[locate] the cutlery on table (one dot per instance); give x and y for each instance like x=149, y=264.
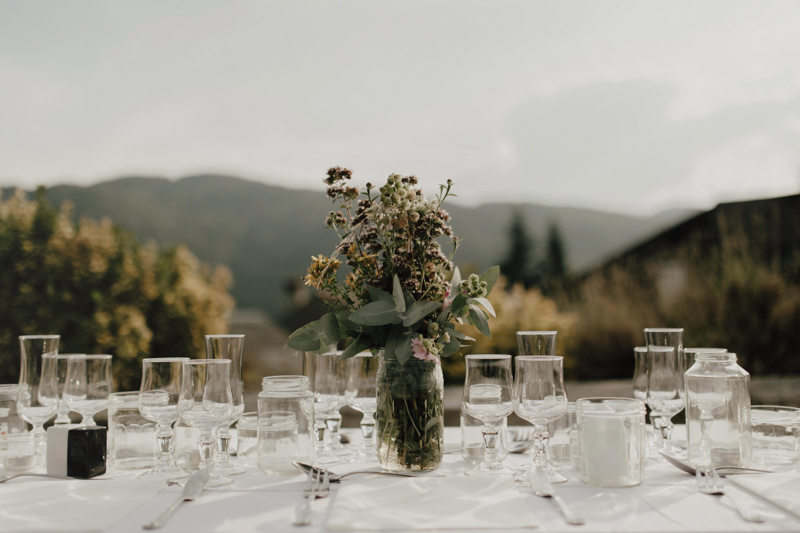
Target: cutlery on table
x=3, y=479
x=191, y=491
x=316, y=487
x=335, y=478
x=708, y=482
x=722, y=471
x=541, y=487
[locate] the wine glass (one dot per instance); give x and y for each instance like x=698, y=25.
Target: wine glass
x=322, y=377
x=88, y=385
x=488, y=397
x=158, y=401
x=362, y=395
x=537, y=342
x=640, y=393
x=205, y=402
x=228, y=347
x=665, y=388
x=61, y=371
x=539, y=398
x=37, y=397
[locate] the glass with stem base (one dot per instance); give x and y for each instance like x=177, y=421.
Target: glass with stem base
x=205, y=402
x=321, y=371
x=640, y=393
x=334, y=422
x=62, y=415
x=88, y=385
x=37, y=396
x=488, y=397
x=361, y=393
x=665, y=388
x=540, y=397
x=158, y=402
x=228, y=347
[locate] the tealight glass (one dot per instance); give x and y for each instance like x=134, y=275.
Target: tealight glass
x=775, y=434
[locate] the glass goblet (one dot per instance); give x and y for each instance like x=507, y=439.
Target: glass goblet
x=326, y=400
x=37, y=396
x=539, y=398
x=205, y=402
x=488, y=397
x=362, y=395
x=228, y=347
x=158, y=401
x=63, y=409
x=88, y=385
x=665, y=388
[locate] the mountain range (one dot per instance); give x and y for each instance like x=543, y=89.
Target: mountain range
x=267, y=234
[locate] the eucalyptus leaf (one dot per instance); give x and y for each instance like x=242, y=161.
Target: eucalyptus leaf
x=389, y=348
x=409, y=299
x=432, y=422
x=307, y=338
x=442, y=319
x=450, y=348
x=485, y=303
x=344, y=319
x=455, y=281
x=378, y=295
x=397, y=294
x=458, y=303
x=403, y=387
x=330, y=327
x=375, y=314
x=418, y=311
x=479, y=319
x=404, y=350
x=457, y=334
x=490, y=277
x=357, y=346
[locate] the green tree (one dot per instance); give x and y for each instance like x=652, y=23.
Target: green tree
x=103, y=292
x=554, y=269
x=517, y=266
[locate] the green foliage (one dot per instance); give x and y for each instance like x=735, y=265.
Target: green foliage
x=518, y=265
x=94, y=285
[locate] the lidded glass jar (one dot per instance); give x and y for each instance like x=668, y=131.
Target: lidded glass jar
x=718, y=411
x=290, y=394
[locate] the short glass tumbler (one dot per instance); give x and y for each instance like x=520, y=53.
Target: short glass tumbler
x=611, y=433
x=277, y=443
x=775, y=434
x=131, y=437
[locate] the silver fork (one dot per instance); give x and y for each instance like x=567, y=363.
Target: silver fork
x=315, y=487
x=709, y=482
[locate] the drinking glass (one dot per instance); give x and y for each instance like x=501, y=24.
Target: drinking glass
x=539, y=398
x=158, y=401
x=665, y=388
x=205, y=402
x=88, y=385
x=247, y=438
x=228, y=347
x=361, y=393
x=37, y=397
x=334, y=422
x=488, y=397
x=326, y=399
x=537, y=342
x=640, y=393
x=61, y=371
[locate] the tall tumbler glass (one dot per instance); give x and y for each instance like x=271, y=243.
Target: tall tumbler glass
x=37, y=397
x=324, y=385
x=158, y=401
x=205, y=402
x=488, y=397
x=361, y=391
x=63, y=408
x=88, y=385
x=228, y=347
x=540, y=397
x=640, y=393
x=537, y=342
x=334, y=422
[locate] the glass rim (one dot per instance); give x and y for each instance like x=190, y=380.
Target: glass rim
x=488, y=356
x=715, y=356
x=285, y=377
x=787, y=408
x=581, y=403
x=38, y=337
x=661, y=349
x=199, y=362
x=89, y=356
x=336, y=352
x=780, y=414
x=706, y=350
x=537, y=332
x=640, y=349
x=552, y=358
x=165, y=359
x=67, y=355
x=123, y=394
x=663, y=330
x=229, y=336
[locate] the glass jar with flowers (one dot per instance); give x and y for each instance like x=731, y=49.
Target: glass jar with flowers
x=396, y=300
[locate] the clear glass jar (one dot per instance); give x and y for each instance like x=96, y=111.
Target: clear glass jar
x=247, y=439
x=131, y=437
x=472, y=444
x=611, y=436
x=718, y=411
x=290, y=394
x=277, y=443
x=10, y=421
x=776, y=434
x=559, y=430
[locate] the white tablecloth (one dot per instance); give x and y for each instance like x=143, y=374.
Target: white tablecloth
x=668, y=501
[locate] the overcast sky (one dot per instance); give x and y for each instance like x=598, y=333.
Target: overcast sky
x=623, y=106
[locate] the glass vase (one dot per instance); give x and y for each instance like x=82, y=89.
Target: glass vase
x=410, y=415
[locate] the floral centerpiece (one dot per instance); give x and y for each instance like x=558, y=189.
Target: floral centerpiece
x=396, y=301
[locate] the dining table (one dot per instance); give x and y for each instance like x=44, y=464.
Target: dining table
x=446, y=499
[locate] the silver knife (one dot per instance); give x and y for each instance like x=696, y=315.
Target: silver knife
x=541, y=487
x=191, y=491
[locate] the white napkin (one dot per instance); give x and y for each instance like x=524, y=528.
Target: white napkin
x=781, y=489
x=491, y=502
x=76, y=505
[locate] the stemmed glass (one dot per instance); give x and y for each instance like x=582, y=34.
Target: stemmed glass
x=205, y=402
x=665, y=388
x=326, y=400
x=334, y=422
x=488, y=397
x=362, y=395
x=63, y=409
x=539, y=398
x=37, y=398
x=88, y=385
x=640, y=393
x=228, y=347
x=158, y=401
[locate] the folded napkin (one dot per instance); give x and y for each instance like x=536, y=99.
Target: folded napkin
x=460, y=502
x=76, y=505
x=781, y=489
